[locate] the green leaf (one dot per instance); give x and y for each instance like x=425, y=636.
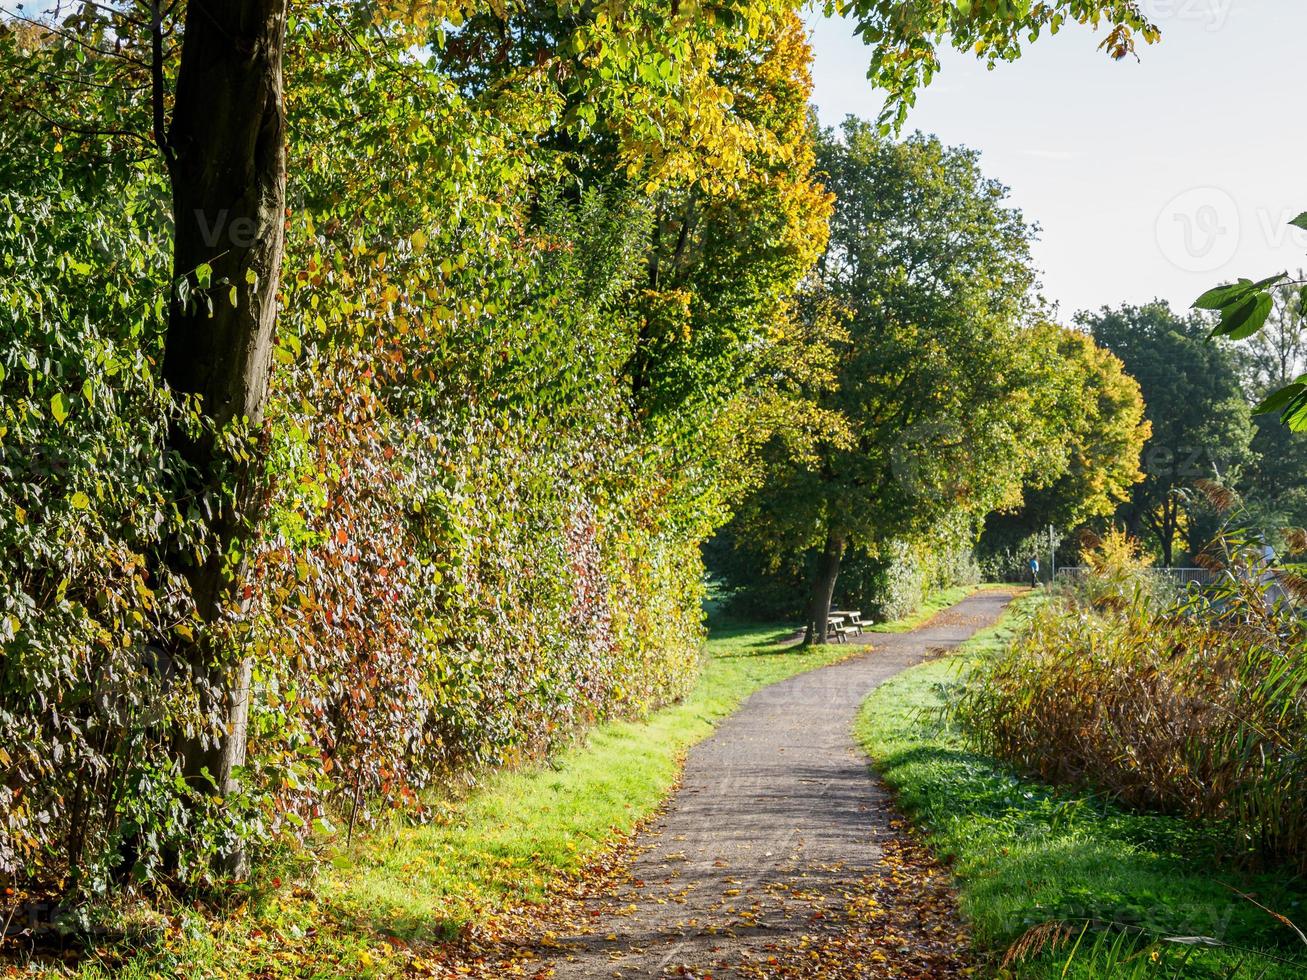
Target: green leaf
x=203, y=275
x=1300, y=221
x=1244, y=318
x=1271, y=280
x=1225, y=296
x=80, y=500
x=59, y=407
x=1278, y=401
x=1295, y=416
x=1222, y=296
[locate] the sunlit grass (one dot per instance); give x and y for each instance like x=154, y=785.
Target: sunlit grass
x=1025, y=854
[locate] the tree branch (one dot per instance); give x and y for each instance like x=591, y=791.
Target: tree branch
x=156, y=86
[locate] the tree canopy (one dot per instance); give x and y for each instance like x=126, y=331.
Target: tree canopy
x=1099, y=411
x=1195, y=405
x=953, y=399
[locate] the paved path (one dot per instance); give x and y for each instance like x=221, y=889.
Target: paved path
x=776, y=836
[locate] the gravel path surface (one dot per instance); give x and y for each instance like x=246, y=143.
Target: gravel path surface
x=781, y=855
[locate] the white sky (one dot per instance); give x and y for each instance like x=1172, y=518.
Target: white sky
x=1153, y=178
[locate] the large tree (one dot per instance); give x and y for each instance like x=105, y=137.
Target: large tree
x=1201, y=424
x=935, y=380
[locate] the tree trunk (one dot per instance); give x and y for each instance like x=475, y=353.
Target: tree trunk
x=1169, y=527
x=823, y=587
x=226, y=155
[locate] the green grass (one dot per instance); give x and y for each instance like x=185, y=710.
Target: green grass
x=1025, y=854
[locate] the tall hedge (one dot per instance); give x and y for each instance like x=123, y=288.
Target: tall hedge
x=474, y=534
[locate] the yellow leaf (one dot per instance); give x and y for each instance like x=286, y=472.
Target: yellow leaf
x=59, y=407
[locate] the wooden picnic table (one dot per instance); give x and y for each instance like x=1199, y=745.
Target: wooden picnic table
x=852, y=615
x=841, y=624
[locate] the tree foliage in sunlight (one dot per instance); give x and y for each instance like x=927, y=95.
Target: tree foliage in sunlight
x=1099, y=410
x=944, y=388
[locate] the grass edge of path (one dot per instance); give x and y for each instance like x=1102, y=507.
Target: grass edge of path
x=1024, y=853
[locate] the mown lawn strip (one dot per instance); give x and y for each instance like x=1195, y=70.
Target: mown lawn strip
x=1026, y=854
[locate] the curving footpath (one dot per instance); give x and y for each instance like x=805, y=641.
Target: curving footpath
x=781, y=855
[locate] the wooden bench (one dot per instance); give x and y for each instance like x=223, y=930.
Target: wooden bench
x=835, y=629
x=840, y=626
x=850, y=618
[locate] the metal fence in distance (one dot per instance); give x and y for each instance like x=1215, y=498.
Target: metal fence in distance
x=1181, y=576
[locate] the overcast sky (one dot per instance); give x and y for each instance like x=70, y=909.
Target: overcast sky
x=1152, y=178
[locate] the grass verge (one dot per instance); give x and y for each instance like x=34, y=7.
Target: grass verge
x=1025, y=854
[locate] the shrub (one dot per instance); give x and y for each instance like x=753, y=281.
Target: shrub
x=1196, y=707
x=87, y=693
x=896, y=581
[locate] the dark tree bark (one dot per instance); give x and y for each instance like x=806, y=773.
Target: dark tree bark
x=226, y=155
x=1165, y=528
x=823, y=587
x=1167, y=548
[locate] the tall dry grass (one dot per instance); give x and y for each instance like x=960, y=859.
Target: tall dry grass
x=1194, y=706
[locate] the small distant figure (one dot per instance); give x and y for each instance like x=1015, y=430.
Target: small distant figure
x=1034, y=572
